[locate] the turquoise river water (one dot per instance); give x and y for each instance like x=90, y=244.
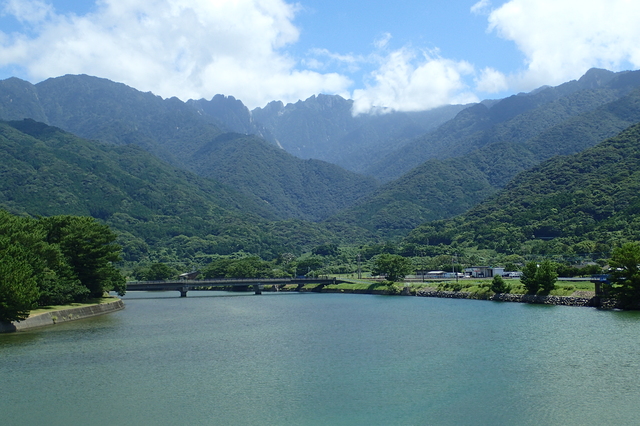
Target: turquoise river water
x=325, y=359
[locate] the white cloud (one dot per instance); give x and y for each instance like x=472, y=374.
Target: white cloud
x=562, y=39
x=481, y=7
x=184, y=48
x=383, y=41
x=491, y=81
x=408, y=81
x=350, y=62
x=31, y=12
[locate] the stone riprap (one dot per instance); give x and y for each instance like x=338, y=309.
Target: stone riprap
x=523, y=298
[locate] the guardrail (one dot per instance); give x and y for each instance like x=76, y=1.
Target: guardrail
x=223, y=281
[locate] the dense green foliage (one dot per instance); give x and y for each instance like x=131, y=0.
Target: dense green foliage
x=155, y=272
x=18, y=287
x=580, y=204
x=245, y=267
x=625, y=274
x=499, y=285
x=286, y=185
x=539, y=278
x=392, y=266
x=160, y=213
x=54, y=260
x=444, y=187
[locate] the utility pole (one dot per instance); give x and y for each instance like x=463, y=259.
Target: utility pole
x=454, y=259
x=359, y=271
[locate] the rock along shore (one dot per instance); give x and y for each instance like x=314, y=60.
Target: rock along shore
x=64, y=315
x=590, y=301
x=524, y=298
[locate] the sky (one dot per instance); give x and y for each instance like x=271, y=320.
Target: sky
x=405, y=55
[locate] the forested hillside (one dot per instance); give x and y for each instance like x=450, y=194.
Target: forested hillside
x=582, y=204
x=227, y=191
x=282, y=182
x=178, y=133
x=155, y=208
x=514, y=119
x=440, y=189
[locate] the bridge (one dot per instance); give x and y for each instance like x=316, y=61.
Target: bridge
x=183, y=286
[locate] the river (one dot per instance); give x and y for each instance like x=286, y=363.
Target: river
x=325, y=359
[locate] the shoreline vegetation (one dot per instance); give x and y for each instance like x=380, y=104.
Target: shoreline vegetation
x=573, y=294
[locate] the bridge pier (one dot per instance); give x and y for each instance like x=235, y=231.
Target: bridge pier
x=256, y=289
x=183, y=291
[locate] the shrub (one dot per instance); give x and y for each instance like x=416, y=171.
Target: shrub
x=498, y=285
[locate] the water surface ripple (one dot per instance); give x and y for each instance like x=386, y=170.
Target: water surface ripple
x=325, y=359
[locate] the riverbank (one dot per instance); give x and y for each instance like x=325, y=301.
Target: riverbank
x=579, y=298
x=589, y=301
x=55, y=315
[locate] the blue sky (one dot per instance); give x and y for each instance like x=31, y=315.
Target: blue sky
x=401, y=55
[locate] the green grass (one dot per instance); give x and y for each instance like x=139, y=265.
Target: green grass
x=357, y=286
x=478, y=286
x=96, y=301
x=481, y=286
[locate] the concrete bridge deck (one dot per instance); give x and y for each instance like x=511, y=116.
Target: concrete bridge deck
x=183, y=286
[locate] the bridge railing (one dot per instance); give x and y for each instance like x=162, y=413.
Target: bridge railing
x=223, y=281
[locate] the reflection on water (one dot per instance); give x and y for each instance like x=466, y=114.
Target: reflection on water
x=318, y=359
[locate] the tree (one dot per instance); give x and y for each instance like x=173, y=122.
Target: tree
x=158, y=271
x=309, y=265
x=18, y=287
x=248, y=267
x=546, y=276
x=539, y=278
x=510, y=267
x=217, y=268
x=528, y=277
x=89, y=250
x=393, y=266
x=327, y=249
x=625, y=275
x=499, y=285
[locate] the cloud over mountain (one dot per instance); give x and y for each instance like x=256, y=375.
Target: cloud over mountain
x=179, y=48
x=250, y=48
x=561, y=39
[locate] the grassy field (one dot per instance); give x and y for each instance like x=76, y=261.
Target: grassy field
x=97, y=301
x=481, y=286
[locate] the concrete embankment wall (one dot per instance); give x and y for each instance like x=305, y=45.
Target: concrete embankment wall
x=55, y=317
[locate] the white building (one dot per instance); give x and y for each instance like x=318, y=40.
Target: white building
x=483, y=271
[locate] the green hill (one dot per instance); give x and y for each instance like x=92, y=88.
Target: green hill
x=582, y=203
x=183, y=136
x=284, y=183
x=154, y=207
x=439, y=189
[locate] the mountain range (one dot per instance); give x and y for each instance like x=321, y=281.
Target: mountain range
x=487, y=153
x=312, y=168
